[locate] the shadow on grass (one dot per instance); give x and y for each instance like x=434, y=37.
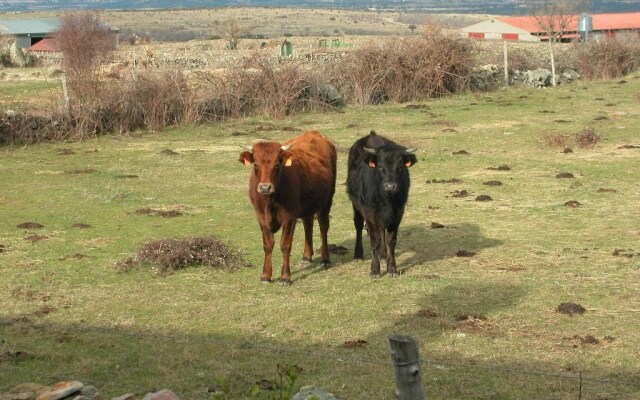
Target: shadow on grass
x=422, y=243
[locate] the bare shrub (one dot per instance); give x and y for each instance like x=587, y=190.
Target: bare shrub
x=587, y=137
x=556, y=139
x=405, y=69
x=607, y=58
x=225, y=95
x=167, y=255
x=85, y=43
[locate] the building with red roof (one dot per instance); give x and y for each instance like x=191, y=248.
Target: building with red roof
x=511, y=28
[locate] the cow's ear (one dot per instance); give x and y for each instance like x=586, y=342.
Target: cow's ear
x=409, y=160
x=246, y=157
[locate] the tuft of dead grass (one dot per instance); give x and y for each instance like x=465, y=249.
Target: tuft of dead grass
x=587, y=137
x=168, y=255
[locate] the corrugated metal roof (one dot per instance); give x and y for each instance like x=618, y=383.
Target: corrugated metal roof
x=601, y=22
x=29, y=26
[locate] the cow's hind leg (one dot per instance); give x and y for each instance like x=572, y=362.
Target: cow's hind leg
x=307, y=255
x=358, y=222
x=323, y=221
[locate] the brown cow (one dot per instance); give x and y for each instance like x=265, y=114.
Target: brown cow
x=291, y=181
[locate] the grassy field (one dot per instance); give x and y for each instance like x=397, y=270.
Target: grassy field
x=487, y=323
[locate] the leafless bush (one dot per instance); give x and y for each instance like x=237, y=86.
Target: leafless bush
x=587, y=137
x=607, y=58
x=405, y=69
x=85, y=43
x=167, y=255
x=556, y=139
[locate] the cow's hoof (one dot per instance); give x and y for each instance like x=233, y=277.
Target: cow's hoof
x=358, y=257
x=393, y=274
x=326, y=264
x=375, y=276
x=285, y=282
x=265, y=280
x=306, y=259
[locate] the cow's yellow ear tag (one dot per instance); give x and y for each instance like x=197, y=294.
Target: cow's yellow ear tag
x=408, y=164
x=372, y=164
x=247, y=162
x=288, y=162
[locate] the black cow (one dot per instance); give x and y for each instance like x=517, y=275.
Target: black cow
x=378, y=186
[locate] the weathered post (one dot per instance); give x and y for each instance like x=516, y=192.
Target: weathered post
x=406, y=364
x=506, y=65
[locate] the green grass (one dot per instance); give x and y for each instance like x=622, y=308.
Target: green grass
x=78, y=318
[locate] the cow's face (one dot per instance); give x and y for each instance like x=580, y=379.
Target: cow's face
x=267, y=160
x=391, y=165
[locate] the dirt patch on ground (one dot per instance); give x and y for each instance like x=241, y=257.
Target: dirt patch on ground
x=573, y=204
x=570, y=308
x=80, y=225
x=436, y=225
x=484, y=197
x=2, y=248
x=80, y=171
x=603, y=190
x=66, y=152
x=166, y=255
x=465, y=253
x=428, y=313
x=625, y=253
x=126, y=176
x=351, y=344
x=169, y=152
x=36, y=238
x=475, y=324
x=30, y=225
x=13, y=356
x=157, y=212
x=630, y=146
x=503, y=167
x=461, y=153
x=460, y=193
x=492, y=183
x=565, y=175
x=76, y=256
x=335, y=249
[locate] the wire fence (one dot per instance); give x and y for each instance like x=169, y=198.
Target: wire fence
x=580, y=381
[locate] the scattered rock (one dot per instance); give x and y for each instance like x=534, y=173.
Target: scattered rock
x=573, y=204
x=349, y=344
x=313, y=393
x=564, y=175
x=164, y=394
x=435, y=225
x=484, y=197
x=460, y=152
x=493, y=183
x=465, y=253
x=503, y=167
x=30, y=225
x=60, y=390
x=570, y=308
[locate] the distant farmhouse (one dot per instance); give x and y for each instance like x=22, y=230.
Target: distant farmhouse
x=36, y=34
x=28, y=32
x=527, y=28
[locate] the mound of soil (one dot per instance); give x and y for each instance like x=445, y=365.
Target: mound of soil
x=30, y=225
x=567, y=150
x=573, y=204
x=169, y=152
x=126, y=176
x=570, y=308
x=436, y=225
x=601, y=118
x=66, y=152
x=418, y=106
x=484, y=197
x=465, y=253
x=36, y=238
x=492, y=183
x=503, y=167
x=449, y=130
x=427, y=313
x=565, y=175
x=460, y=193
x=159, y=213
x=562, y=121
x=13, y=356
x=335, y=249
x=350, y=344
x=461, y=153
x=80, y=171
x=603, y=190
x=630, y=146
x=2, y=248
x=80, y=225
x=166, y=255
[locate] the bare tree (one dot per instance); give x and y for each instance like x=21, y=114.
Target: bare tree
x=232, y=31
x=557, y=17
x=85, y=43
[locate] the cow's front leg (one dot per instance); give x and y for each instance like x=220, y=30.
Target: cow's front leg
x=267, y=245
x=376, y=242
x=285, y=246
x=358, y=222
x=323, y=221
x=391, y=238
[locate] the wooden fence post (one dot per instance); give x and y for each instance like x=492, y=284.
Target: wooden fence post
x=406, y=364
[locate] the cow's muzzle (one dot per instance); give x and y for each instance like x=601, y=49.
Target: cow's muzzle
x=390, y=186
x=265, y=188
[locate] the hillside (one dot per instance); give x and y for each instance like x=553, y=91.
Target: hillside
x=502, y=7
